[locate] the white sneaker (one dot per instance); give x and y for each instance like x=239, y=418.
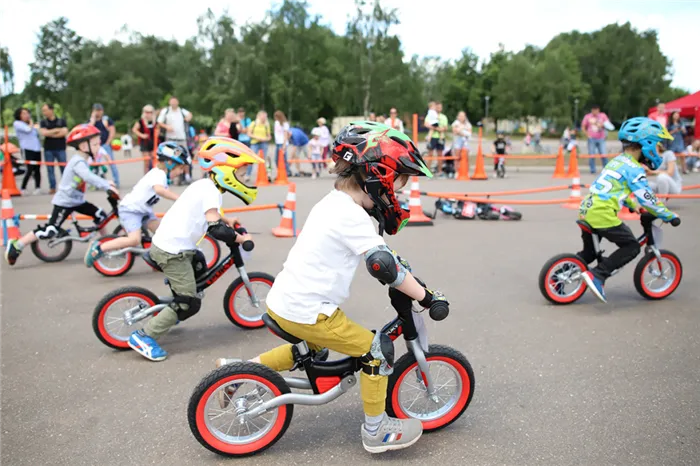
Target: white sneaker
x=392, y=434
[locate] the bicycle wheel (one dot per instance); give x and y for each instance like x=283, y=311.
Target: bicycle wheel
x=56, y=253
x=560, y=279
x=237, y=303
x=655, y=279
x=217, y=408
x=212, y=251
x=108, y=317
x=113, y=266
x=407, y=395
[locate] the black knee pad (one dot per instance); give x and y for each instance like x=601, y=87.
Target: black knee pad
x=100, y=216
x=380, y=359
x=46, y=231
x=186, y=306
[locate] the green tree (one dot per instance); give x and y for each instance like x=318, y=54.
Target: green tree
x=7, y=72
x=515, y=94
x=52, y=55
x=558, y=82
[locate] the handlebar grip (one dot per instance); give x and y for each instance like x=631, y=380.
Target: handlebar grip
x=439, y=310
x=675, y=221
x=248, y=245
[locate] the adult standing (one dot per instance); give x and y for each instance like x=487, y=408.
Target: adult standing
x=462, y=132
x=324, y=137
x=394, y=121
x=175, y=121
x=661, y=116
x=243, y=122
x=299, y=142
x=594, y=124
x=144, y=129
x=228, y=126
x=282, y=134
x=677, y=130
x=107, y=130
x=259, y=132
x=54, y=131
x=28, y=137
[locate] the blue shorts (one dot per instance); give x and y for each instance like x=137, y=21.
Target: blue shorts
x=132, y=221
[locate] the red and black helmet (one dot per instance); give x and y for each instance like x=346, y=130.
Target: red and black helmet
x=80, y=133
x=380, y=153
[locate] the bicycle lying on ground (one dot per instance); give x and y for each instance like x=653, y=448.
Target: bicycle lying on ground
x=259, y=402
x=119, y=262
x=59, y=247
x=116, y=315
x=560, y=279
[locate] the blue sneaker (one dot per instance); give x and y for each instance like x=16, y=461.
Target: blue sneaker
x=93, y=254
x=146, y=346
x=595, y=284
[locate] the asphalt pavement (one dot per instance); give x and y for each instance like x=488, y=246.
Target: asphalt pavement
x=586, y=384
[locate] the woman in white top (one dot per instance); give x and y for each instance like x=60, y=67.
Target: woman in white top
x=282, y=133
x=462, y=131
x=324, y=137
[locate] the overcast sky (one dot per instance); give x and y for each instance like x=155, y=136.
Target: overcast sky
x=443, y=29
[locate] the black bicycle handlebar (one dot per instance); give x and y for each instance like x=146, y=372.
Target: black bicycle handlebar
x=675, y=221
x=439, y=310
x=248, y=245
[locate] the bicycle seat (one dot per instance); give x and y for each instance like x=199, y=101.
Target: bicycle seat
x=583, y=225
x=149, y=260
x=277, y=330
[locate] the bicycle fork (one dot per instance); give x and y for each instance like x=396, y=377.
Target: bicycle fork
x=423, y=369
x=248, y=286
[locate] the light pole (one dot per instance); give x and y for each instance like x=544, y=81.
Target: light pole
x=575, y=111
x=487, y=106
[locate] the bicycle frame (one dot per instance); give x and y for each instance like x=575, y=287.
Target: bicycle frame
x=140, y=312
x=330, y=379
x=85, y=234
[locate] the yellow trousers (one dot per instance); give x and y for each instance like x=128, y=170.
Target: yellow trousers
x=337, y=333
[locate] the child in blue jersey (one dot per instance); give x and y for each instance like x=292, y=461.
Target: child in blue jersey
x=622, y=176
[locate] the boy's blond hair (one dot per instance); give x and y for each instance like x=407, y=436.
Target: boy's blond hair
x=346, y=180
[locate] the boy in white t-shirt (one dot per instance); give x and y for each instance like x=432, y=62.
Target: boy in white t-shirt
x=337, y=236
x=196, y=212
x=137, y=206
x=316, y=147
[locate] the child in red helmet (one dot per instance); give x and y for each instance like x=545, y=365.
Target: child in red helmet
x=70, y=196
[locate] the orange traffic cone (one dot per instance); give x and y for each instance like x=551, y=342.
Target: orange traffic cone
x=288, y=223
x=479, y=170
x=463, y=172
x=10, y=230
x=626, y=214
x=573, y=164
x=262, y=172
x=8, y=177
x=559, y=167
x=418, y=218
x=575, y=196
x=281, y=169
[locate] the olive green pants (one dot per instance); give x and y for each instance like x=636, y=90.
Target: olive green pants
x=179, y=272
x=337, y=333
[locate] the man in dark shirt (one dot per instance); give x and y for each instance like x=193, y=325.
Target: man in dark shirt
x=54, y=131
x=107, y=131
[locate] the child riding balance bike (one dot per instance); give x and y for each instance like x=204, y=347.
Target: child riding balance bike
x=70, y=196
x=372, y=161
x=138, y=204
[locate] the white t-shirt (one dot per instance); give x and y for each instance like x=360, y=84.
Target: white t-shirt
x=432, y=117
x=316, y=146
x=176, y=119
x=280, y=132
x=142, y=197
x=395, y=123
x=325, y=136
x=317, y=274
x=127, y=142
x=184, y=224
x=464, y=129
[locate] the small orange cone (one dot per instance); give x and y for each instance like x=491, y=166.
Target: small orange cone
x=575, y=196
x=573, y=164
x=463, y=172
x=479, y=170
x=262, y=172
x=281, y=169
x=10, y=230
x=626, y=214
x=288, y=227
x=418, y=218
x=559, y=167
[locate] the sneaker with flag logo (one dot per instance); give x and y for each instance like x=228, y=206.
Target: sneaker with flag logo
x=391, y=434
x=146, y=346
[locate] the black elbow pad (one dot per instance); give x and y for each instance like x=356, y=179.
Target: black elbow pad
x=383, y=265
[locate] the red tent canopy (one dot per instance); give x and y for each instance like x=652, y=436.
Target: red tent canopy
x=688, y=106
